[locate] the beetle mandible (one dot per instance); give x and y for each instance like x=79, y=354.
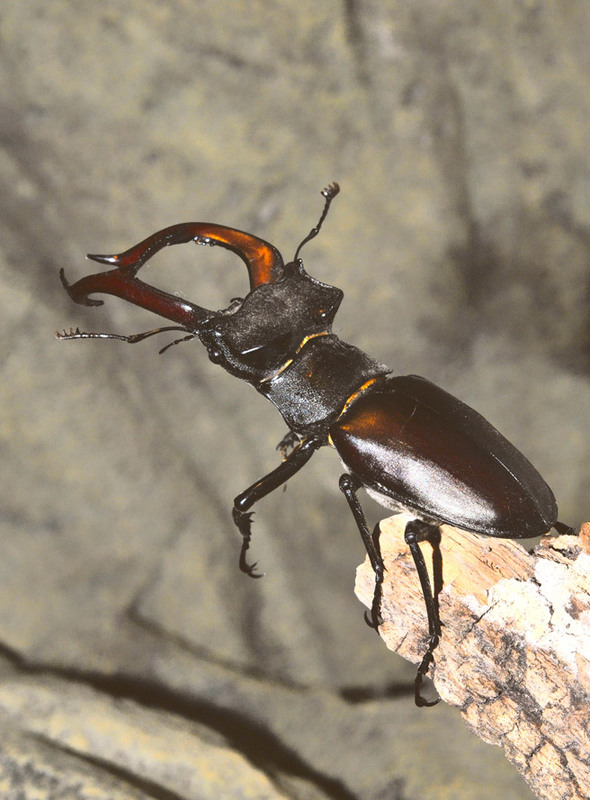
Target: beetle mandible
x=410, y=444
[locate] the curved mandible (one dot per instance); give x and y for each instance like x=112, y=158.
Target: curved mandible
x=263, y=260
x=125, y=285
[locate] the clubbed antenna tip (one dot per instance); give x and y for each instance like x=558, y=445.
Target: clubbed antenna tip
x=329, y=193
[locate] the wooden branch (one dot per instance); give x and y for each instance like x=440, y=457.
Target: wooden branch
x=514, y=655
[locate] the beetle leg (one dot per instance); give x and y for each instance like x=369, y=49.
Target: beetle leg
x=349, y=486
x=244, y=501
x=417, y=531
x=287, y=443
x=562, y=528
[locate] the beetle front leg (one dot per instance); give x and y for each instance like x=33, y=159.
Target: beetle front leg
x=417, y=531
x=297, y=459
x=349, y=486
x=287, y=443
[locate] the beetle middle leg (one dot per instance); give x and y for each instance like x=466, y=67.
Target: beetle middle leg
x=418, y=531
x=349, y=486
x=297, y=459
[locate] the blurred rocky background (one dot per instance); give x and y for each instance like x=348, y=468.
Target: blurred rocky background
x=136, y=661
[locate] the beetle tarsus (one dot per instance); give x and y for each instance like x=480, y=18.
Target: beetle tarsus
x=428, y=659
x=373, y=617
x=243, y=520
x=374, y=621
x=249, y=569
x=376, y=618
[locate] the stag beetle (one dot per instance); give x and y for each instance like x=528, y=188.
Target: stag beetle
x=411, y=445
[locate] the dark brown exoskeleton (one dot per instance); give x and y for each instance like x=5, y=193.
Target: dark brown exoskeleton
x=411, y=445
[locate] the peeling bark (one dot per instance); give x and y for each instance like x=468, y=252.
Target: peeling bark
x=514, y=655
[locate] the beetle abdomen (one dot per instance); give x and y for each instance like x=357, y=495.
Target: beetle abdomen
x=411, y=441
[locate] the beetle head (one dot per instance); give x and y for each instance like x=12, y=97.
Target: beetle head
x=258, y=336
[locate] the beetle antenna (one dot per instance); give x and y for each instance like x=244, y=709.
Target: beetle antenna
x=133, y=339
x=329, y=193
x=186, y=338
